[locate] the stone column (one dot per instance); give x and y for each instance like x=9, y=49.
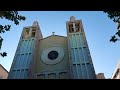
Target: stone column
x=30, y=32
x=74, y=28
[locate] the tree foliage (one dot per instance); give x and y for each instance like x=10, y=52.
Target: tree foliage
x=115, y=16
x=15, y=17
x=12, y=16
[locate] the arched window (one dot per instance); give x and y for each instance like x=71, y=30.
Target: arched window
x=26, y=33
x=77, y=27
x=33, y=32
x=71, y=28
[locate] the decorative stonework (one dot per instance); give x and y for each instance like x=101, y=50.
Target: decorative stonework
x=46, y=52
x=72, y=18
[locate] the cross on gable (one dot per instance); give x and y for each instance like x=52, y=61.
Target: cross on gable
x=53, y=33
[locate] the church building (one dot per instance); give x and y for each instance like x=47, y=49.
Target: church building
x=53, y=57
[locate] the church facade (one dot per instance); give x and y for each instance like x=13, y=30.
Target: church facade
x=53, y=57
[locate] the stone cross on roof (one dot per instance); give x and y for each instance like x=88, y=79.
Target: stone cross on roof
x=53, y=33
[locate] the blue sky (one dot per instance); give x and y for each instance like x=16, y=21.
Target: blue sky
x=98, y=29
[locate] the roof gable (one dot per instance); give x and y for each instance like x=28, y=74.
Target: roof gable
x=3, y=68
x=55, y=36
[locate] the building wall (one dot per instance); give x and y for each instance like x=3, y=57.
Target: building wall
x=74, y=56
x=79, y=55
x=55, y=71
x=116, y=73
x=23, y=56
x=26, y=52
x=3, y=73
x=100, y=76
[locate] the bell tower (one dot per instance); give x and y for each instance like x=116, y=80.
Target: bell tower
x=25, y=55
x=81, y=65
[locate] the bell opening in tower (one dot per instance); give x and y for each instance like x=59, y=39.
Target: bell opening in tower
x=33, y=32
x=71, y=28
x=26, y=33
x=77, y=27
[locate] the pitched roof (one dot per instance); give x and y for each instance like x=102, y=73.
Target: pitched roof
x=55, y=35
x=3, y=68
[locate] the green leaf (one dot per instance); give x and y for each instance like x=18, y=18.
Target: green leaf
x=113, y=39
x=118, y=33
x=3, y=54
x=1, y=40
x=12, y=16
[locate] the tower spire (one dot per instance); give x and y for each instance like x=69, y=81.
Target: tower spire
x=72, y=18
x=81, y=65
x=35, y=23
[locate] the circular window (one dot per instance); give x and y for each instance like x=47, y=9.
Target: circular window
x=52, y=55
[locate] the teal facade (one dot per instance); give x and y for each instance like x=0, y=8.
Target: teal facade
x=22, y=59
x=31, y=62
x=79, y=55
x=24, y=53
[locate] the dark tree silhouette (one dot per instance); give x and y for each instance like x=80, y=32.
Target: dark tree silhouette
x=12, y=16
x=115, y=16
x=15, y=17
